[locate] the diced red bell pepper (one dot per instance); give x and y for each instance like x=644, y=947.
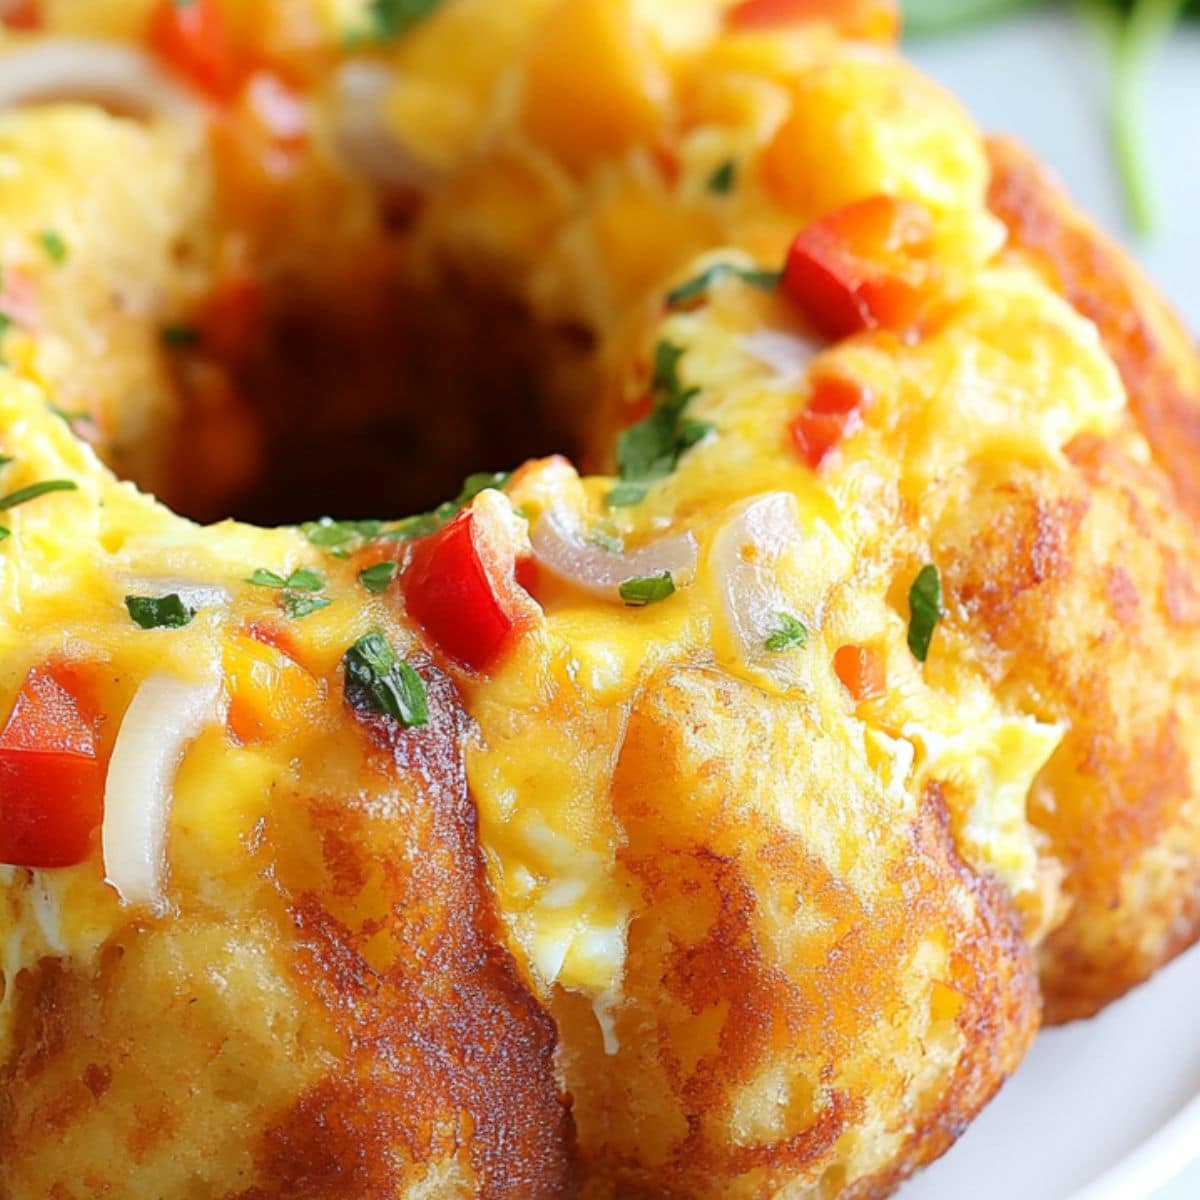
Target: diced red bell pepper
x=865, y=266
x=461, y=586
x=874, y=19
x=51, y=777
x=862, y=670
x=834, y=411
x=191, y=37
x=25, y=15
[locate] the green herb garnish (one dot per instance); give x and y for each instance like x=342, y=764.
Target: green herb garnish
x=159, y=612
x=925, y=610
x=379, y=681
x=301, y=579
x=34, y=490
x=304, y=580
x=651, y=448
x=391, y=18
x=647, y=589
x=377, y=578
x=54, y=246
x=721, y=181
x=300, y=604
x=697, y=287
x=264, y=578
x=340, y=537
x=430, y=522
x=790, y=635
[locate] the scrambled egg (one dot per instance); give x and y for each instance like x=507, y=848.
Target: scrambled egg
x=732, y=855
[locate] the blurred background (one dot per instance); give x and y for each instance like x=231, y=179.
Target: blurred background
x=1111, y=101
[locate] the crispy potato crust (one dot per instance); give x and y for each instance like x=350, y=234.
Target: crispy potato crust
x=818, y=990
x=1089, y=588
x=362, y=1034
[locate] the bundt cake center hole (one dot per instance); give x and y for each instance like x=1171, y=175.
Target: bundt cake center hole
x=372, y=406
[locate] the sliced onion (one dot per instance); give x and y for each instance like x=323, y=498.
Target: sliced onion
x=195, y=595
x=361, y=133
x=166, y=715
x=122, y=78
x=564, y=553
x=746, y=555
x=787, y=354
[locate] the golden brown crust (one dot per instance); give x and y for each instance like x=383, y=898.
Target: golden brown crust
x=785, y=1019
x=1065, y=578
x=354, y=1028
x=453, y=1056
x=1154, y=354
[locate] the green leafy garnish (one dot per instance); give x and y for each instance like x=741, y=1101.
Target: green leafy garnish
x=301, y=579
x=723, y=178
x=304, y=580
x=264, y=578
x=54, y=246
x=925, y=610
x=34, y=490
x=340, y=537
x=299, y=589
x=300, y=604
x=647, y=589
x=5, y=532
x=159, y=612
x=694, y=289
x=791, y=634
x=391, y=18
x=430, y=522
x=377, y=680
x=377, y=578
x=651, y=448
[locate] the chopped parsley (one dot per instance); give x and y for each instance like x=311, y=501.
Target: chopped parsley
x=430, y=522
x=696, y=288
x=54, y=245
x=340, y=537
x=299, y=589
x=647, y=589
x=651, y=448
x=377, y=578
x=300, y=604
x=179, y=337
x=925, y=610
x=391, y=18
x=159, y=612
x=5, y=532
x=301, y=579
x=721, y=181
x=34, y=490
x=791, y=634
x=264, y=578
x=378, y=680
x=5, y=323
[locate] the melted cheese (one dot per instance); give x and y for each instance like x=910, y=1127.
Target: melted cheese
x=1009, y=377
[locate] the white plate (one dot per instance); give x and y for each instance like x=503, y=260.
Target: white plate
x=1107, y=1109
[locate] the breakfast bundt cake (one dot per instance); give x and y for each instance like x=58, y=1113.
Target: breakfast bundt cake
x=722, y=822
